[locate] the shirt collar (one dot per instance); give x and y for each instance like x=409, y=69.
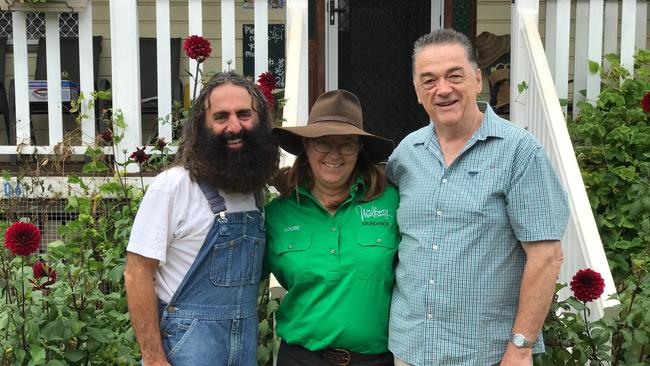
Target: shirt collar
x=489, y=126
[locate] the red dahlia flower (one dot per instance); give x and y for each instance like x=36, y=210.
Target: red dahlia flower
x=22, y=238
x=587, y=285
x=268, y=80
x=139, y=156
x=197, y=48
x=42, y=270
x=107, y=136
x=160, y=144
x=645, y=102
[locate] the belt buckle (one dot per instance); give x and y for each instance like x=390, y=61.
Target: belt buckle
x=340, y=357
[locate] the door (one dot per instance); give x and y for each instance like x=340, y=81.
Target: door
x=368, y=52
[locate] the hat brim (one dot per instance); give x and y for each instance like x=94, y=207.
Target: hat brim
x=290, y=138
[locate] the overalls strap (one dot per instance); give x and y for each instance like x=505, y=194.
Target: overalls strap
x=217, y=203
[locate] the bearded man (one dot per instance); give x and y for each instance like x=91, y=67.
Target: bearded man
x=195, y=253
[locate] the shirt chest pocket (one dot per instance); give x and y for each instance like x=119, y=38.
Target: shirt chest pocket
x=483, y=190
x=294, y=257
x=376, y=253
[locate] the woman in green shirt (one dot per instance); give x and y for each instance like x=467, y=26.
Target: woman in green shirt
x=332, y=239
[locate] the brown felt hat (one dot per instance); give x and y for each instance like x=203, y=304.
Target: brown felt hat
x=489, y=47
x=336, y=112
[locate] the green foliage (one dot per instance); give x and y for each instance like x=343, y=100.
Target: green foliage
x=612, y=144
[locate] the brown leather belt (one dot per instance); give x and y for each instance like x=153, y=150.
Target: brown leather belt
x=343, y=357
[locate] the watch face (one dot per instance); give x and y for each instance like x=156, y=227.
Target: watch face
x=518, y=340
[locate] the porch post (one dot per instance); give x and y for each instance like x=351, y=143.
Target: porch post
x=21, y=75
x=261, y=37
x=296, y=85
x=558, y=14
x=195, y=27
x=518, y=70
x=163, y=52
x=125, y=68
x=628, y=23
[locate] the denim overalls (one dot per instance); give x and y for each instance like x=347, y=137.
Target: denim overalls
x=212, y=317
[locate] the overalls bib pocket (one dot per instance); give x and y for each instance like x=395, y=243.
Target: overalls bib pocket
x=237, y=262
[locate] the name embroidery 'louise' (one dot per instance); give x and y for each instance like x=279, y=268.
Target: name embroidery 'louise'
x=370, y=216
x=291, y=228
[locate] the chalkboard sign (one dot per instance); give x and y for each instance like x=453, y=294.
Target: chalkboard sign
x=276, y=51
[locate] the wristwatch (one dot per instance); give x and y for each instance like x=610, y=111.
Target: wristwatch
x=520, y=341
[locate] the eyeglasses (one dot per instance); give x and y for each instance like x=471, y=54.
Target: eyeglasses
x=345, y=148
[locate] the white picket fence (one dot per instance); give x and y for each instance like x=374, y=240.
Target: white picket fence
x=125, y=67
x=538, y=108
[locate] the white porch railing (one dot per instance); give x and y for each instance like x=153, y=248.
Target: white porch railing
x=125, y=68
x=538, y=109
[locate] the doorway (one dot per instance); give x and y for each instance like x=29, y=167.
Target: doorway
x=365, y=46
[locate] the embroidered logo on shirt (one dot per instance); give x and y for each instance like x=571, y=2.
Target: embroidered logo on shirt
x=370, y=216
x=292, y=228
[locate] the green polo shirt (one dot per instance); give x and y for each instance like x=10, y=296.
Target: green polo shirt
x=337, y=269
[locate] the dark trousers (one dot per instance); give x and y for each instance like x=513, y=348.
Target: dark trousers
x=294, y=355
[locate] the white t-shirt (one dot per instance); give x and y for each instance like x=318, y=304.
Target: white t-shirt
x=172, y=222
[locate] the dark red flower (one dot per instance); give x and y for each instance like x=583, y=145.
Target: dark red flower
x=197, y=48
x=139, y=156
x=160, y=144
x=42, y=270
x=267, y=79
x=645, y=102
x=22, y=238
x=107, y=136
x=587, y=285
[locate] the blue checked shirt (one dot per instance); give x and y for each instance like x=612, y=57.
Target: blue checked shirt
x=460, y=260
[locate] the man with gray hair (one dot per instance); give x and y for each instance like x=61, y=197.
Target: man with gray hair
x=481, y=217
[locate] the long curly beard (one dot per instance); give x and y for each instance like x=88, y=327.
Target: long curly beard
x=245, y=170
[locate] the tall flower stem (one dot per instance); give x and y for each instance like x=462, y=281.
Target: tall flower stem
x=594, y=351
x=196, y=79
x=22, y=302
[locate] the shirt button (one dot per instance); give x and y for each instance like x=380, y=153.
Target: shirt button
x=435, y=247
x=378, y=240
x=333, y=229
x=431, y=282
x=290, y=246
x=333, y=251
x=439, y=213
x=444, y=180
x=429, y=316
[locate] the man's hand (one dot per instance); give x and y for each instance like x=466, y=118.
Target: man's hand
x=517, y=356
x=143, y=307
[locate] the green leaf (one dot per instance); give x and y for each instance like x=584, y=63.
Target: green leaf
x=95, y=167
x=52, y=330
x=37, y=354
x=116, y=274
x=563, y=102
x=594, y=67
x=75, y=355
x=521, y=87
x=98, y=334
x=263, y=354
x=56, y=363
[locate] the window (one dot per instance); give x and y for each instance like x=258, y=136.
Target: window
x=68, y=26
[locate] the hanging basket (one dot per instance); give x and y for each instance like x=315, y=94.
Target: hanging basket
x=59, y=6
